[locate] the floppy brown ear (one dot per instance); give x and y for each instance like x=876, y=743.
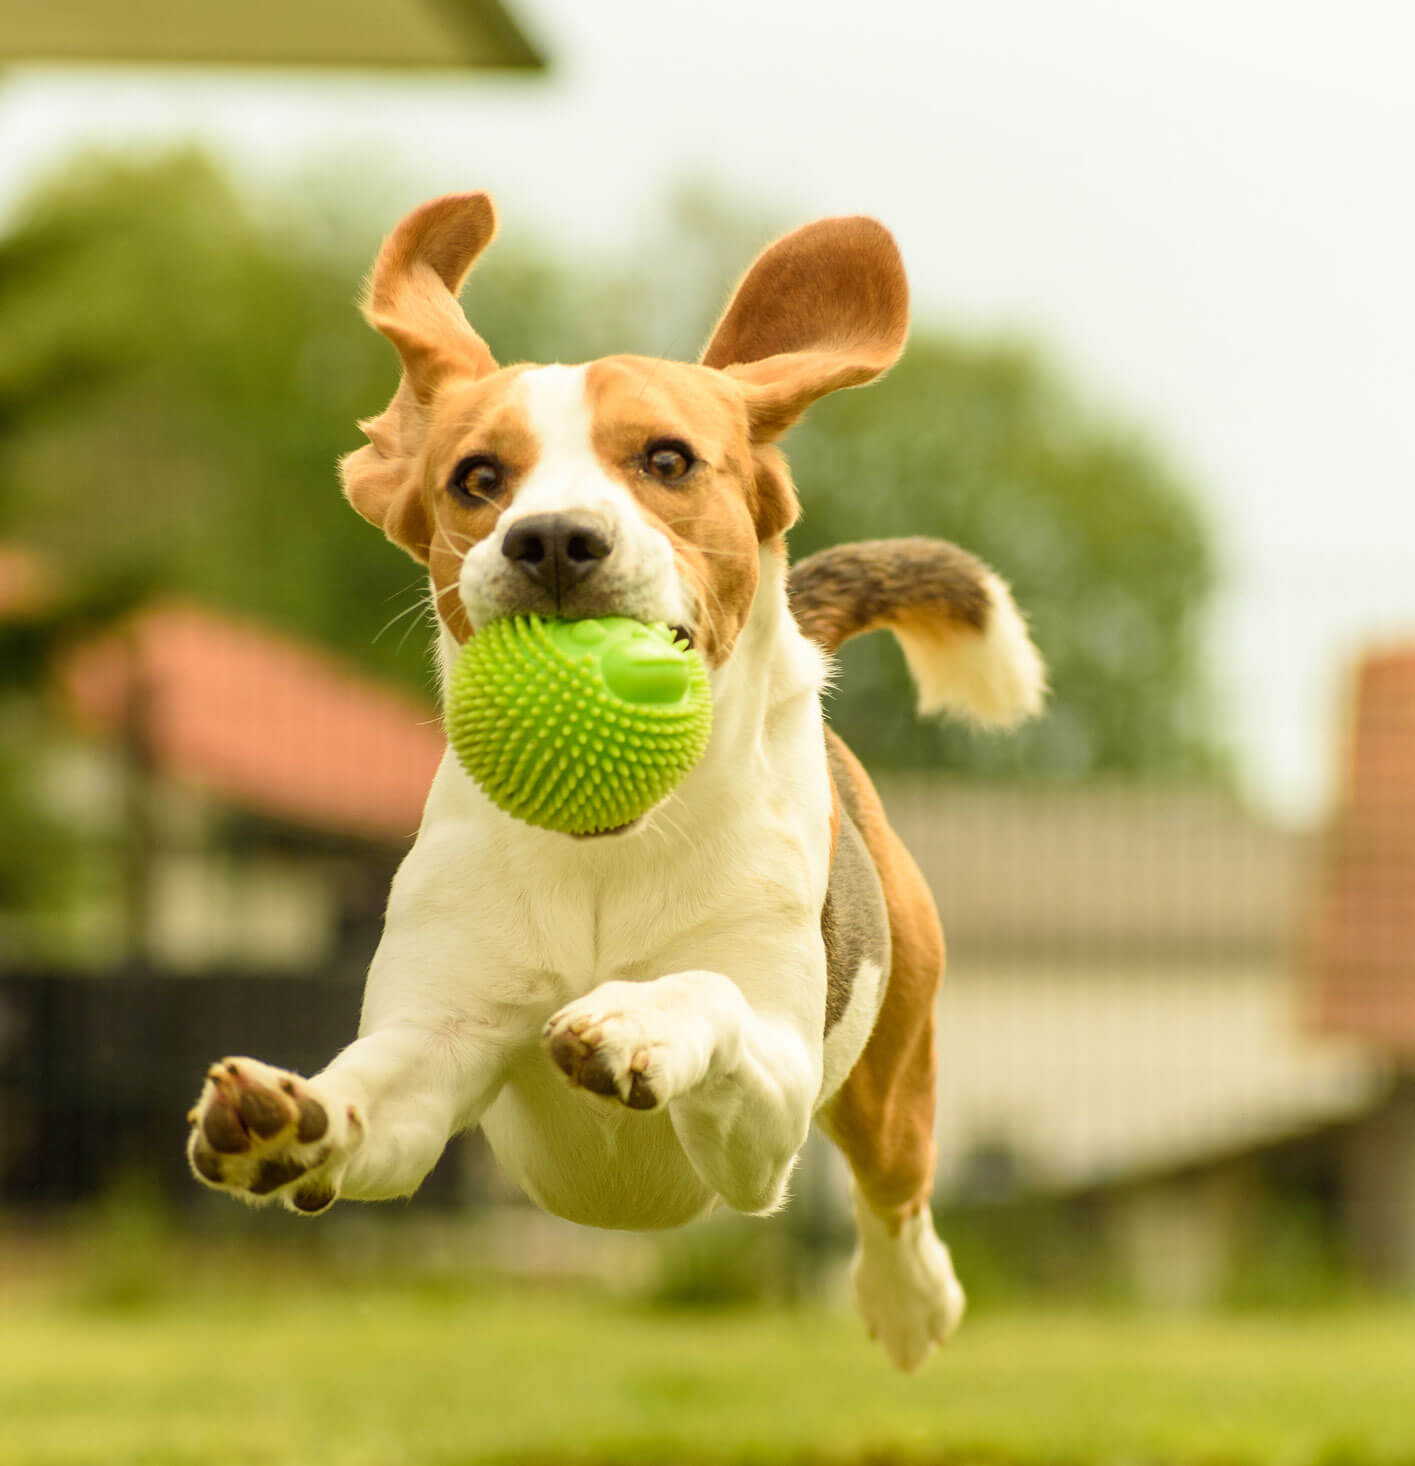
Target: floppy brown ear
x=823, y=308
x=381, y=479
x=412, y=293
x=412, y=300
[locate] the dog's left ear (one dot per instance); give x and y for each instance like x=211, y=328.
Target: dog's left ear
x=825, y=307
x=412, y=300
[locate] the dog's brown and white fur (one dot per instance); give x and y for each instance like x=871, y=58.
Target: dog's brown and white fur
x=644, y=1023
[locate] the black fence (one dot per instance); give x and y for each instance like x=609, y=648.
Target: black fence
x=97, y=1073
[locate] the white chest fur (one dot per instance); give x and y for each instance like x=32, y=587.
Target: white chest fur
x=499, y=925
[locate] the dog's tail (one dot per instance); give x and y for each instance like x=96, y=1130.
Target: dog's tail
x=961, y=632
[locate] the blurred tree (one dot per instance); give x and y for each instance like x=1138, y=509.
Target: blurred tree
x=978, y=443
x=43, y=859
x=180, y=366
x=176, y=379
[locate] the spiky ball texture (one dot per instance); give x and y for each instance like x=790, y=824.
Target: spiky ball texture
x=577, y=726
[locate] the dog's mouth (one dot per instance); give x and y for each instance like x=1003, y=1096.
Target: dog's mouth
x=684, y=636
x=625, y=829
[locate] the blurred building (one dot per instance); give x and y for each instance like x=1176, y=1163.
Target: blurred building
x=265, y=791
x=1161, y=1011
x=245, y=795
x=1363, y=952
x=1172, y=1014
x=1122, y=994
x=237, y=802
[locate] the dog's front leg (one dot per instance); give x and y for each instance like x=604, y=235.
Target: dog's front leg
x=369, y=1126
x=434, y=1040
x=738, y=1084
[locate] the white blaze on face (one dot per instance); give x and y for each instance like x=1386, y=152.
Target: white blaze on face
x=567, y=475
x=639, y=578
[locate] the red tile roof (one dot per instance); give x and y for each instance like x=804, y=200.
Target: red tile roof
x=260, y=720
x=28, y=585
x=1365, y=936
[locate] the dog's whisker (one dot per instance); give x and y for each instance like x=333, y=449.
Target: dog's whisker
x=650, y=379
x=712, y=615
x=429, y=617
x=419, y=582
x=454, y=535
x=663, y=817
x=418, y=605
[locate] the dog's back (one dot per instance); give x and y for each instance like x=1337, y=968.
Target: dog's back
x=969, y=654
x=968, y=651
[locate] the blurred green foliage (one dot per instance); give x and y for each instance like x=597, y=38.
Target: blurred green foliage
x=122, y=1243
x=181, y=364
x=729, y=1261
x=1105, y=553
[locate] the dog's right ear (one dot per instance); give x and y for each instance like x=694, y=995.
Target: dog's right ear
x=412, y=300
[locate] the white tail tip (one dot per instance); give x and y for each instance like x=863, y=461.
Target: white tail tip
x=993, y=677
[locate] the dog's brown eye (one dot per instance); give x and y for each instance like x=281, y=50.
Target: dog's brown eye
x=477, y=477
x=668, y=459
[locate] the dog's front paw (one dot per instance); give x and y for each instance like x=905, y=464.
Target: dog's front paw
x=628, y=1042
x=264, y=1133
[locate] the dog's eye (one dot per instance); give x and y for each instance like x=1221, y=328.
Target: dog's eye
x=477, y=477
x=668, y=459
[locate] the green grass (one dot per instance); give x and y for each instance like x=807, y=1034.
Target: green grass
x=333, y=1372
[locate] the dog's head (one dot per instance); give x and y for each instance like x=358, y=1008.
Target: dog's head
x=629, y=486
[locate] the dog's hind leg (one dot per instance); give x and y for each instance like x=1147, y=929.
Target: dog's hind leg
x=882, y=1117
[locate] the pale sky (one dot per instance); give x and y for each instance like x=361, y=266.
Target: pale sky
x=1204, y=210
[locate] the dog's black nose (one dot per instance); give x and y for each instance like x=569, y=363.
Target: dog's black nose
x=558, y=551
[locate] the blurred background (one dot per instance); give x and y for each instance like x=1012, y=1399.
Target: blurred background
x=1159, y=378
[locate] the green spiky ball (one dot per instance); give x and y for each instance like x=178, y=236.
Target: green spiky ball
x=577, y=726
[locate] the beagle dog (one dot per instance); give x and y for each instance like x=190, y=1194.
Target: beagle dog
x=644, y=1023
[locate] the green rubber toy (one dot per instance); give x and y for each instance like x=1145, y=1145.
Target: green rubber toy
x=577, y=726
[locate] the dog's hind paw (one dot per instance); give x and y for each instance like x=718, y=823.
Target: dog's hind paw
x=905, y=1287
x=264, y=1134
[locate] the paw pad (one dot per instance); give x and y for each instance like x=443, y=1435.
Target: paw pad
x=263, y=1113
x=255, y=1131
x=577, y=1052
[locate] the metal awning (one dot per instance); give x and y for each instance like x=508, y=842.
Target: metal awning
x=397, y=34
